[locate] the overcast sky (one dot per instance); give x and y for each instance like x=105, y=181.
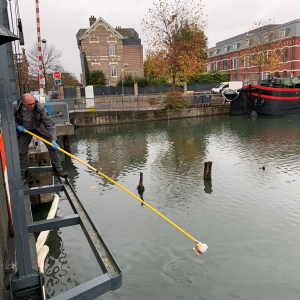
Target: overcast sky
x=61, y=19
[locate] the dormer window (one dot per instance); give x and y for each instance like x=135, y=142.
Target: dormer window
x=234, y=46
x=283, y=32
x=225, y=49
x=247, y=43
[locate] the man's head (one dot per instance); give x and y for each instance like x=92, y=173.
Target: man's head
x=28, y=101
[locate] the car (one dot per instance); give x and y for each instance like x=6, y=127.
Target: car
x=53, y=94
x=36, y=95
x=233, y=85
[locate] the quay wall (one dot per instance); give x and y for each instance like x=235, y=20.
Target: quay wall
x=90, y=118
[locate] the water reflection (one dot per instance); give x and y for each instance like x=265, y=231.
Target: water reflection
x=59, y=276
x=208, y=186
x=157, y=260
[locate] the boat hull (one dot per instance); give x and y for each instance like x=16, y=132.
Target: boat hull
x=266, y=101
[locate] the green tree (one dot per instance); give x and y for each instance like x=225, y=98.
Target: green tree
x=87, y=71
x=97, y=78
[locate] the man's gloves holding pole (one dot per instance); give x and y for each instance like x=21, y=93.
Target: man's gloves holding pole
x=55, y=145
x=21, y=128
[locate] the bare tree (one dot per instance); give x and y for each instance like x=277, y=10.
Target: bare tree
x=50, y=56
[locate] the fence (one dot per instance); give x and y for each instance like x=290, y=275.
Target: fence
x=138, y=103
x=154, y=89
x=59, y=111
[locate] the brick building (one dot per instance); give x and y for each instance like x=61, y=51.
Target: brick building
x=116, y=51
x=225, y=55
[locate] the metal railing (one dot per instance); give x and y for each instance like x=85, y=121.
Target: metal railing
x=138, y=103
x=59, y=111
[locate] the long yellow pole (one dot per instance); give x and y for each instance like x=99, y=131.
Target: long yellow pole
x=92, y=168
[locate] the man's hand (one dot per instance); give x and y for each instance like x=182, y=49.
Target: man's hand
x=55, y=145
x=21, y=128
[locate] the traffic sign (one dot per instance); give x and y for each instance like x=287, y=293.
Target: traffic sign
x=56, y=74
x=56, y=68
x=57, y=81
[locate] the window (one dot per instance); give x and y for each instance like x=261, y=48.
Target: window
x=112, y=50
x=220, y=65
x=234, y=46
x=265, y=75
x=285, y=54
x=113, y=70
x=234, y=63
x=282, y=33
x=208, y=67
x=225, y=67
x=246, y=61
x=277, y=75
x=126, y=66
x=266, y=38
x=215, y=65
x=284, y=74
x=225, y=49
x=247, y=43
x=217, y=51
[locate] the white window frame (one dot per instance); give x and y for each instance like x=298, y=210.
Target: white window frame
x=247, y=42
x=283, y=73
x=113, y=70
x=247, y=61
x=208, y=67
x=234, y=46
x=225, y=49
x=225, y=68
x=112, y=50
x=234, y=63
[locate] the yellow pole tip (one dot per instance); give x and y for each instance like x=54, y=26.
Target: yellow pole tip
x=200, y=248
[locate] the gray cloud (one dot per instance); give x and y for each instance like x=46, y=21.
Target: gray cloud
x=61, y=19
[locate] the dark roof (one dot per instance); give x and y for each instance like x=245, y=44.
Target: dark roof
x=128, y=32
x=80, y=32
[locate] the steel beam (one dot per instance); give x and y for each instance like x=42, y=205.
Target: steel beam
x=43, y=190
x=8, y=94
x=58, y=222
x=40, y=169
x=87, y=290
x=100, y=250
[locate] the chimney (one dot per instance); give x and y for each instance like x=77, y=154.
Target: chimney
x=92, y=20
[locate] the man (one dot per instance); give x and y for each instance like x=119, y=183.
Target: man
x=31, y=115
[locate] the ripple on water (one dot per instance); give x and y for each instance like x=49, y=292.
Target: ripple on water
x=182, y=270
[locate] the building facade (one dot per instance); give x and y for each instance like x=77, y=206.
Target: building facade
x=116, y=51
x=227, y=55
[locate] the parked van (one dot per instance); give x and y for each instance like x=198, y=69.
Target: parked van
x=232, y=85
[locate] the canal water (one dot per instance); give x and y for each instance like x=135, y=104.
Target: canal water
x=248, y=215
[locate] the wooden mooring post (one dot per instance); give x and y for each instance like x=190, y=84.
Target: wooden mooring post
x=207, y=169
x=140, y=187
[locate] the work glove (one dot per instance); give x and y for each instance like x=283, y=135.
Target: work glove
x=55, y=145
x=21, y=128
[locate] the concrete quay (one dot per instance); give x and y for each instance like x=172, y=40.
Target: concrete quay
x=92, y=118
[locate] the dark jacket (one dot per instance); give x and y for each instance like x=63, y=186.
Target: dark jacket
x=41, y=121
